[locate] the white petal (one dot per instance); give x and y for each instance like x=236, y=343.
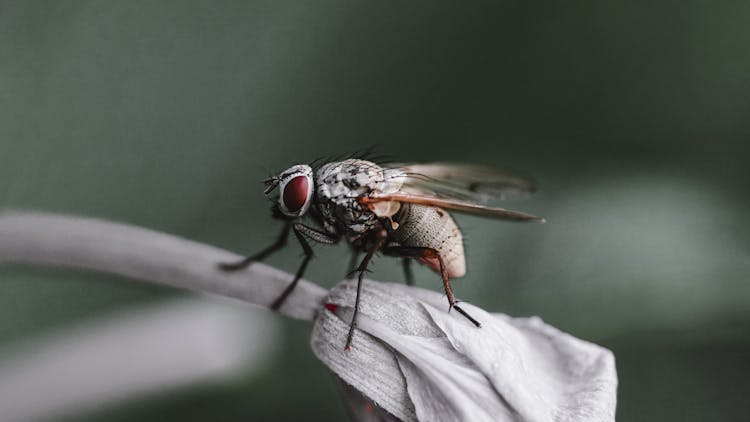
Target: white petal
x=417, y=361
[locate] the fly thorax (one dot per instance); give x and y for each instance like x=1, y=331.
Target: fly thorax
x=341, y=184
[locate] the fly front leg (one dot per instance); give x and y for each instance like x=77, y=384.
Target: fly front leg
x=430, y=253
x=302, y=233
x=275, y=246
x=378, y=241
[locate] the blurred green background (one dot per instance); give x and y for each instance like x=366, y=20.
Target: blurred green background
x=633, y=116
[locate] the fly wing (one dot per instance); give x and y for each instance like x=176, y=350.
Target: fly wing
x=459, y=187
x=463, y=182
x=453, y=204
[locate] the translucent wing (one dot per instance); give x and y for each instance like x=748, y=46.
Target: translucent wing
x=452, y=204
x=464, y=182
x=458, y=187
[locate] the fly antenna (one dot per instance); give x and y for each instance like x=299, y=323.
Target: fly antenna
x=271, y=184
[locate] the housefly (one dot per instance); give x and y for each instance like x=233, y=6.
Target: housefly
x=398, y=210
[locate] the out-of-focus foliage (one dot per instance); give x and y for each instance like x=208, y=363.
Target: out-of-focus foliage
x=632, y=116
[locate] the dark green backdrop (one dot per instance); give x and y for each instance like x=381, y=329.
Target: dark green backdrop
x=632, y=115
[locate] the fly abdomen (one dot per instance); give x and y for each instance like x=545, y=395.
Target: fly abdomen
x=431, y=227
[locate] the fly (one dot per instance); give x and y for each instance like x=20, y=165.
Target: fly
x=399, y=210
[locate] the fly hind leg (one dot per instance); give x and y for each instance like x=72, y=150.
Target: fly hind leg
x=430, y=253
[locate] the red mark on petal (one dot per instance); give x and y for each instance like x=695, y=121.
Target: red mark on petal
x=332, y=307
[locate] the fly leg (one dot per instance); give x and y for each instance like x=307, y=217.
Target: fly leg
x=430, y=253
x=408, y=274
x=302, y=232
x=380, y=237
x=275, y=246
x=352, y=268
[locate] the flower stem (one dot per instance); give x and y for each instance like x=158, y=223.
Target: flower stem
x=147, y=255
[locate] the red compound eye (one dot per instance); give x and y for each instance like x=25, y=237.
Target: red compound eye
x=295, y=193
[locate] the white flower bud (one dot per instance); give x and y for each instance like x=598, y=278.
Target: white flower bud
x=416, y=361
